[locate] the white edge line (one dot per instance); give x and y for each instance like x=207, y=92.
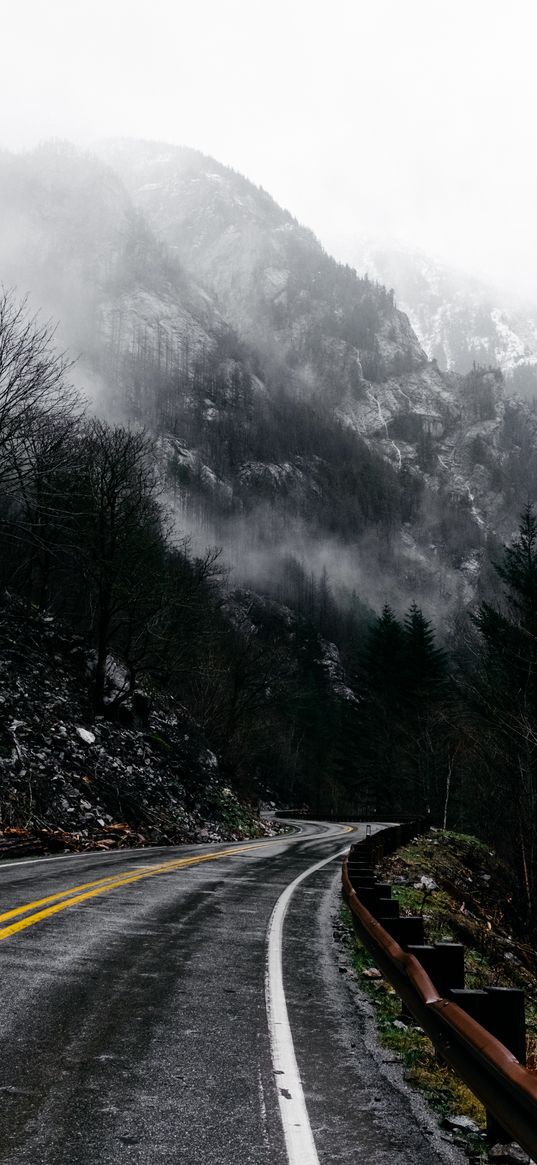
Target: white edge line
x=87, y=853
x=299, y=1140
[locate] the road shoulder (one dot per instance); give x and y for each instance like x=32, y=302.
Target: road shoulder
x=358, y=1103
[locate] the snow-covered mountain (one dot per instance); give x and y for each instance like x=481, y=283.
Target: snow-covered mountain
x=299, y=420
x=459, y=319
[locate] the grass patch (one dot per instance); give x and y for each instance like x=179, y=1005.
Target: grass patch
x=470, y=905
x=446, y=1094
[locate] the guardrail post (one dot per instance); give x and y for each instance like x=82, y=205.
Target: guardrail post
x=378, y=849
x=369, y=897
x=407, y=931
x=373, y=894
x=389, y=840
x=501, y=1011
x=450, y=964
x=444, y=964
x=359, y=880
x=358, y=852
x=474, y=1000
x=426, y=955
x=508, y=1019
x=396, y=836
x=358, y=858
x=386, y=908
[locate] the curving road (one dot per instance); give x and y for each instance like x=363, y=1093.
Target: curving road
x=133, y=1014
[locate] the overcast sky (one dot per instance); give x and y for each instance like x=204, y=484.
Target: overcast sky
x=413, y=118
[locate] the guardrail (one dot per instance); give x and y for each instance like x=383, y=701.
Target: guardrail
x=492, y=1072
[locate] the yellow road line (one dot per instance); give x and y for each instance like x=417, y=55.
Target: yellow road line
x=62, y=899
x=60, y=894
x=124, y=880
x=110, y=878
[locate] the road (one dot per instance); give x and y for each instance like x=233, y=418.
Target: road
x=133, y=1016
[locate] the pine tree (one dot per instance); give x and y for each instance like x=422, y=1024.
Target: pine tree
x=379, y=712
x=425, y=664
x=510, y=635
x=506, y=702
x=383, y=656
x=425, y=671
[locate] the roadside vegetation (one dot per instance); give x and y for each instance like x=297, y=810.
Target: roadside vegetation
x=472, y=904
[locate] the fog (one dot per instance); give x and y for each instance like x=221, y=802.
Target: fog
x=411, y=120
x=256, y=548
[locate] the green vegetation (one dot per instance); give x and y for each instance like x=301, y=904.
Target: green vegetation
x=473, y=905
x=234, y=813
x=453, y=733
x=446, y=1094
x=470, y=905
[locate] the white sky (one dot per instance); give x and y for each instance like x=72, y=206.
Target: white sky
x=415, y=118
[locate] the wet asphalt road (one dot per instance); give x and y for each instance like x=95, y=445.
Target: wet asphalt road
x=133, y=1026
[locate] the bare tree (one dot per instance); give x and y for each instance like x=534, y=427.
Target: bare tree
x=46, y=464
x=119, y=535
x=33, y=383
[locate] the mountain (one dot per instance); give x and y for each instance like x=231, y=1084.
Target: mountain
x=299, y=422
x=292, y=417
x=277, y=286
x=459, y=319
x=71, y=238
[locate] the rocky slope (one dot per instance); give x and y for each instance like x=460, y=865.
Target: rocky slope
x=459, y=319
x=69, y=780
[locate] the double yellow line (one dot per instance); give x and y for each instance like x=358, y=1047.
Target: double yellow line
x=63, y=899
x=43, y=908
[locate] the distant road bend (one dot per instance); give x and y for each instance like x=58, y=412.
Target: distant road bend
x=185, y=1006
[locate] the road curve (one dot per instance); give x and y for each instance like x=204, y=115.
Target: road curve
x=133, y=1021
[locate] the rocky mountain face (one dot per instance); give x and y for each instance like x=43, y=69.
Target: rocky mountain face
x=298, y=418
x=459, y=320
x=71, y=238
x=335, y=338
x=307, y=314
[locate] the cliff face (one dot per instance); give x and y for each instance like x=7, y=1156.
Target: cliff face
x=296, y=413
x=458, y=319
x=274, y=281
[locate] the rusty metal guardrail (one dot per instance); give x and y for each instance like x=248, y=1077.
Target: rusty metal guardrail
x=503, y=1085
